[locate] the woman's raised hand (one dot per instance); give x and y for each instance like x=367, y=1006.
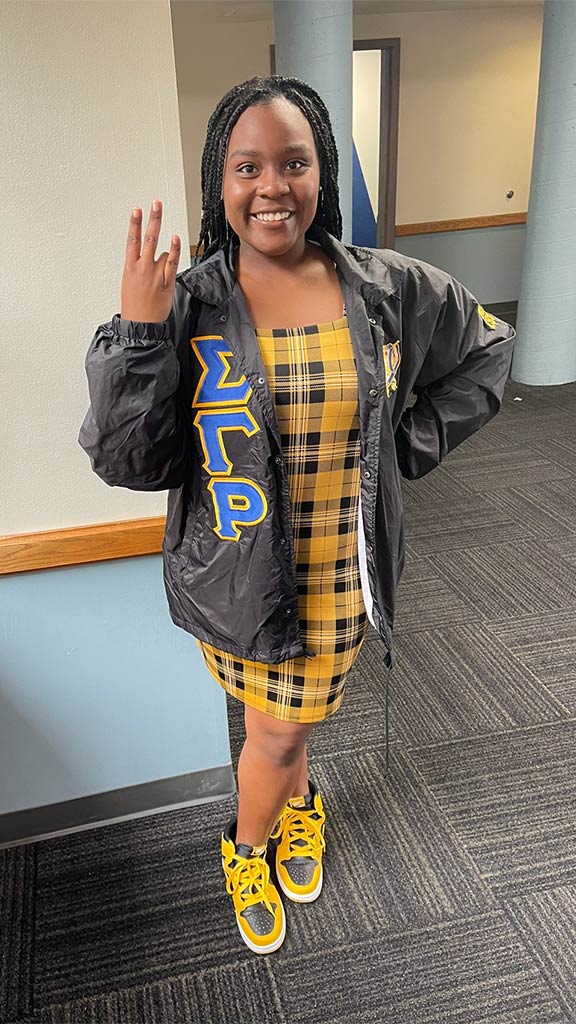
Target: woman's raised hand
x=148, y=284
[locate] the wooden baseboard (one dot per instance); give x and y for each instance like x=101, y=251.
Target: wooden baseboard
x=462, y=224
x=76, y=545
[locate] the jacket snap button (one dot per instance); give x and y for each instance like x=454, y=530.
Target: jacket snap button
x=223, y=318
x=373, y=392
x=367, y=474
x=278, y=460
x=288, y=611
x=371, y=319
x=283, y=540
x=260, y=380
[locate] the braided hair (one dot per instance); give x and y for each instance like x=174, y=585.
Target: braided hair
x=215, y=231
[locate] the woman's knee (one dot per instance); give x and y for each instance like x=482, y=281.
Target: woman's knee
x=281, y=742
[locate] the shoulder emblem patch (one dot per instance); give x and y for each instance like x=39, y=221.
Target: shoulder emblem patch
x=488, y=319
x=392, y=358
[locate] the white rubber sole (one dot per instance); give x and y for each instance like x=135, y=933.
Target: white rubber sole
x=309, y=897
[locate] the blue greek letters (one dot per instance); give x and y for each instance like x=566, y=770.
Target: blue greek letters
x=214, y=388
x=211, y=423
x=236, y=501
x=221, y=402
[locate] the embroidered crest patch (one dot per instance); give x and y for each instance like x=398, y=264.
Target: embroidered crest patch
x=392, y=357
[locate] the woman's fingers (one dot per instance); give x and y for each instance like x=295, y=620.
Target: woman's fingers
x=148, y=285
x=133, y=240
x=135, y=248
x=153, y=230
x=171, y=266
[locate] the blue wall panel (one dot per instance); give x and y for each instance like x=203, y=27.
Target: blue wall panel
x=363, y=219
x=487, y=260
x=98, y=688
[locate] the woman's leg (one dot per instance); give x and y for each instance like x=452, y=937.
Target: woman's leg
x=269, y=773
x=301, y=787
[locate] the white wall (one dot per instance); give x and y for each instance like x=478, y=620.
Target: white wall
x=90, y=129
x=366, y=75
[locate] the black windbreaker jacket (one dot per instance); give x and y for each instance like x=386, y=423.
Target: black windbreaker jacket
x=185, y=406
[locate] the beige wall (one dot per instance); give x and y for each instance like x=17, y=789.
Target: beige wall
x=90, y=129
x=210, y=59
x=468, y=89
x=468, y=92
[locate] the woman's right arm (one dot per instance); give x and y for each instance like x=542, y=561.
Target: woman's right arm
x=138, y=429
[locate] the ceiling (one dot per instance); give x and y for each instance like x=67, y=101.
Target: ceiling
x=263, y=10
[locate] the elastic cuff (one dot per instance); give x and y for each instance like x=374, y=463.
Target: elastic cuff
x=134, y=330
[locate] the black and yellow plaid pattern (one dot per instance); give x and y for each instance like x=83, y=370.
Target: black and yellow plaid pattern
x=312, y=376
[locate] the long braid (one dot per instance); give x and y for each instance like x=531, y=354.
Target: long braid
x=214, y=228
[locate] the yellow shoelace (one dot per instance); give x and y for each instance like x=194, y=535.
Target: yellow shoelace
x=250, y=875
x=302, y=826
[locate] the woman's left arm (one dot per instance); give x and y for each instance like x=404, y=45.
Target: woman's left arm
x=461, y=364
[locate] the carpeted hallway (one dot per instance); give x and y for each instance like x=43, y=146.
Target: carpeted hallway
x=450, y=885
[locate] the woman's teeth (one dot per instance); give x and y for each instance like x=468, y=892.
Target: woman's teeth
x=273, y=216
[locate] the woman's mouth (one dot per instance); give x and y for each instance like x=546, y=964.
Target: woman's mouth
x=280, y=217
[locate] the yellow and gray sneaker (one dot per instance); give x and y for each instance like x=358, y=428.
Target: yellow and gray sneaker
x=259, y=910
x=301, y=843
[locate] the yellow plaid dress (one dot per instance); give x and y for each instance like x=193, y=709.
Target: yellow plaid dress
x=312, y=376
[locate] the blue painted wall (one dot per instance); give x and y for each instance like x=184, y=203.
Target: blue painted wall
x=363, y=220
x=98, y=688
x=487, y=260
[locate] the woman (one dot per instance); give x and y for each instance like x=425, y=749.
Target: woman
x=268, y=389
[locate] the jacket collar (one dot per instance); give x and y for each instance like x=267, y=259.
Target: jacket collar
x=364, y=270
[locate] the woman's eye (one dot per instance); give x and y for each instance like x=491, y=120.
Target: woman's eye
x=293, y=165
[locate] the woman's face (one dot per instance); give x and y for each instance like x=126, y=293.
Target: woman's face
x=271, y=168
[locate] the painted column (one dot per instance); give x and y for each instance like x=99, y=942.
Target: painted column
x=545, y=351
x=314, y=42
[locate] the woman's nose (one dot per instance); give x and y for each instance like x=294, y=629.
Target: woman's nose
x=273, y=184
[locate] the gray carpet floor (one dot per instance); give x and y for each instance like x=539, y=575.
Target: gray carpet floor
x=450, y=883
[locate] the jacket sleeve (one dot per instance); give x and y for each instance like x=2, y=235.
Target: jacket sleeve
x=138, y=430
x=462, y=361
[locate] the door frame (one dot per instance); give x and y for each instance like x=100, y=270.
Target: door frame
x=388, y=157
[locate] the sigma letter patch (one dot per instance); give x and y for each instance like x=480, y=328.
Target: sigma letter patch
x=391, y=353
x=220, y=407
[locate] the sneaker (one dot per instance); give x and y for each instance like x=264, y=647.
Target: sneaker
x=259, y=910
x=301, y=843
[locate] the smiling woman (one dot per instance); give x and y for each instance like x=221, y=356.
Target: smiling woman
x=309, y=142
x=279, y=185
x=273, y=402
x=270, y=203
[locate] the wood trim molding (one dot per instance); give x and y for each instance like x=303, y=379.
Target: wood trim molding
x=99, y=542
x=463, y=224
